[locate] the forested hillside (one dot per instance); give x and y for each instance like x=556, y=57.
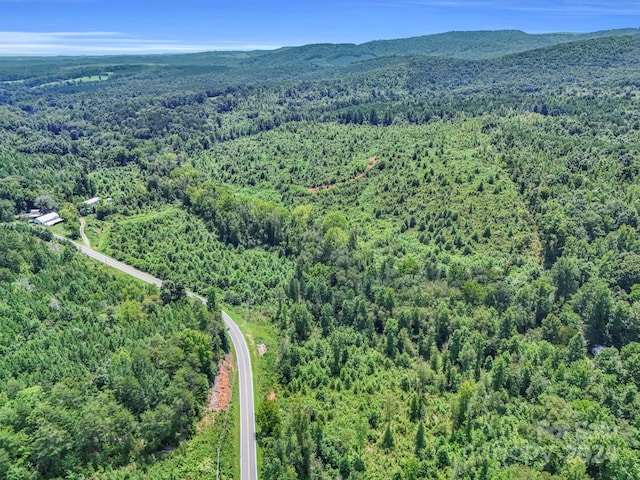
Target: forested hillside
x=96, y=370
x=441, y=255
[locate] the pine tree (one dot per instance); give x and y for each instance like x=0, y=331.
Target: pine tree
x=414, y=409
x=421, y=442
x=387, y=441
x=212, y=300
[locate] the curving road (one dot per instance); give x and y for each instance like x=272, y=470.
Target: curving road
x=248, y=458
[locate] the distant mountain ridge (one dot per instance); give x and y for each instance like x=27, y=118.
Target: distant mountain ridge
x=470, y=45
x=319, y=60
x=483, y=44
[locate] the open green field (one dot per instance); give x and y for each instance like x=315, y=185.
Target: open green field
x=77, y=80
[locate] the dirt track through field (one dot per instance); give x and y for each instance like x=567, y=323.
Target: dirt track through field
x=370, y=165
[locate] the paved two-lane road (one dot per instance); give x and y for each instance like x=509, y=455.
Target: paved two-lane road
x=248, y=459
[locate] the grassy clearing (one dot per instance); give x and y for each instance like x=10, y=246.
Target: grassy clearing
x=94, y=230
x=86, y=79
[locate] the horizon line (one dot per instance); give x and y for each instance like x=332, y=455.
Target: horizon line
x=105, y=44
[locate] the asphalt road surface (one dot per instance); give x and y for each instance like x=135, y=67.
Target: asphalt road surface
x=248, y=458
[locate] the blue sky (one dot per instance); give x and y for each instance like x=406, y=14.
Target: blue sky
x=54, y=27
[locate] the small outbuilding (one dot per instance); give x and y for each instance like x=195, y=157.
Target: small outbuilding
x=30, y=215
x=92, y=202
x=49, y=219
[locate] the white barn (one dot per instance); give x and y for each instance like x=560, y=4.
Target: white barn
x=92, y=202
x=49, y=219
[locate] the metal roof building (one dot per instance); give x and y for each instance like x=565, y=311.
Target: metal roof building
x=49, y=219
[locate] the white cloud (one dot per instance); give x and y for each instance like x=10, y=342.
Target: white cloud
x=104, y=43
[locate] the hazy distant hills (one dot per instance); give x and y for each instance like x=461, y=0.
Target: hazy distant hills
x=466, y=45
x=463, y=45
x=319, y=60
x=481, y=44
x=582, y=61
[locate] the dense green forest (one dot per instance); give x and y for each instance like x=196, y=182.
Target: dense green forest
x=96, y=370
x=436, y=238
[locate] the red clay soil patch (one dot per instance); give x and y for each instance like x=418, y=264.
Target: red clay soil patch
x=370, y=165
x=272, y=396
x=220, y=393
